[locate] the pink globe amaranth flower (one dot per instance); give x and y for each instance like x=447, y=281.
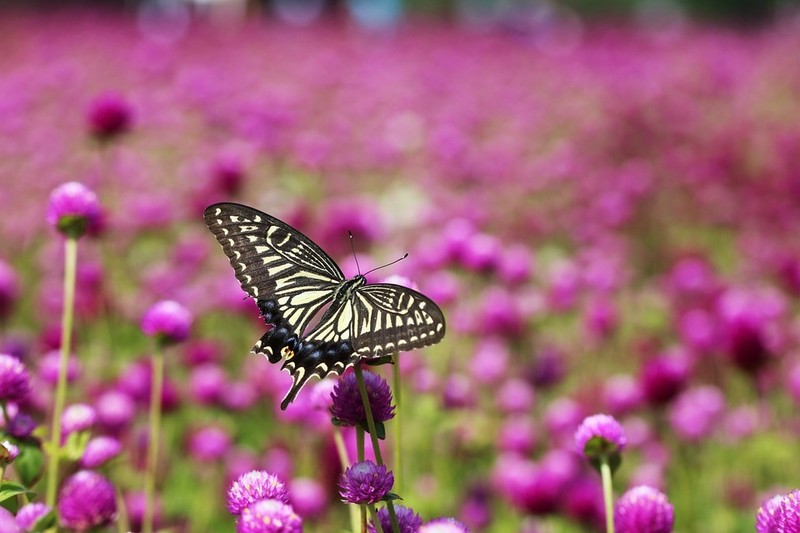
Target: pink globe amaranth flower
x=134, y=505
x=663, y=377
x=8, y=524
x=77, y=417
x=50, y=363
x=8, y=452
x=15, y=382
x=30, y=514
x=308, y=497
x=167, y=320
x=697, y=412
x=209, y=444
x=208, y=383
x=365, y=483
x=99, y=451
x=109, y=116
x=444, y=525
x=602, y=427
x=9, y=289
x=115, y=410
x=252, y=487
x=269, y=516
x=407, y=519
x=86, y=500
x=515, y=396
x=643, y=509
x=73, y=208
x=347, y=406
x=21, y=426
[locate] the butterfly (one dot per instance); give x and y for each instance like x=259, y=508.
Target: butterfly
x=294, y=283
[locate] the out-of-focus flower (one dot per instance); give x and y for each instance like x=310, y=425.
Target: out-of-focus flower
x=99, y=451
x=8, y=523
x=663, y=377
x=643, y=509
x=444, y=525
x=207, y=383
x=515, y=396
x=600, y=437
x=209, y=443
x=252, y=487
x=134, y=505
x=49, y=364
x=407, y=519
x=168, y=321
x=21, y=426
x=29, y=515
x=8, y=452
x=9, y=289
x=365, y=483
x=697, y=412
x=269, y=516
x=15, y=382
x=77, y=417
x=489, y=363
x=86, y=500
x=517, y=435
x=109, y=116
x=347, y=406
x=309, y=498
x=73, y=209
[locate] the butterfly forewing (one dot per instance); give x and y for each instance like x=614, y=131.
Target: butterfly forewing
x=275, y=262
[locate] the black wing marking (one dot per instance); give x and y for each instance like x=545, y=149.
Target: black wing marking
x=389, y=318
x=275, y=264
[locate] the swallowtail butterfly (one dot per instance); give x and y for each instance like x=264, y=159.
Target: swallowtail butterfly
x=293, y=280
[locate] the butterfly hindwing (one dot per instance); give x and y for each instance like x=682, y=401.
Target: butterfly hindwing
x=275, y=264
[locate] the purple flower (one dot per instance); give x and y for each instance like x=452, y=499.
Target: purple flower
x=347, y=406
x=86, y=500
x=49, y=364
x=269, y=516
x=663, y=377
x=444, y=525
x=77, y=417
x=309, y=498
x=603, y=427
x=135, y=503
x=407, y=519
x=7, y=522
x=9, y=289
x=15, y=382
x=769, y=515
x=643, y=509
x=21, y=426
x=167, y=320
x=115, y=410
x=697, y=412
x=72, y=209
x=99, y=451
x=109, y=116
x=208, y=383
x=8, y=452
x=209, y=443
x=365, y=483
x=252, y=487
x=28, y=515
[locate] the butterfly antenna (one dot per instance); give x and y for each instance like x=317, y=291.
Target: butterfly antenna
x=353, y=249
x=387, y=264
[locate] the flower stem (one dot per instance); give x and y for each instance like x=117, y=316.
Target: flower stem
x=608, y=494
x=4, y=407
x=398, y=466
x=152, y=449
x=376, y=447
x=360, y=458
x=341, y=451
x=374, y=514
x=70, y=267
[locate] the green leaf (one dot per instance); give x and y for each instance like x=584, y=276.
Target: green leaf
x=29, y=465
x=380, y=430
x=45, y=522
x=76, y=444
x=11, y=489
x=391, y=496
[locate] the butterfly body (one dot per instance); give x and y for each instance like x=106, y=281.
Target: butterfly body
x=292, y=281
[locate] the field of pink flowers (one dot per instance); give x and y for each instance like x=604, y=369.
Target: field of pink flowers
x=610, y=225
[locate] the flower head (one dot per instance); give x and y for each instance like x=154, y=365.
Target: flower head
x=603, y=427
x=77, y=417
x=167, y=320
x=348, y=408
x=109, y=116
x=269, y=516
x=8, y=452
x=99, y=451
x=365, y=483
x=9, y=289
x=444, y=525
x=209, y=443
x=15, y=382
x=7, y=522
x=779, y=514
x=21, y=426
x=643, y=509
x=29, y=515
x=73, y=209
x=86, y=500
x=252, y=487
x=407, y=519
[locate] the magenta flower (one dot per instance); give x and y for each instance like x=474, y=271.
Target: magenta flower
x=603, y=427
x=77, y=417
x=365, y=483
x=99, y=451
x=9, y=289
x=348, y=408
x=407, y=519
x=87, y=500
x=444, y=525
x=109, y=116
x=168, y=321
x=269, y=516
x=21, y=426
x=643, y=509
x=15, y=382
x=209, y=444
x=308, y=496
x=252, y=487
x=7, y=522
x=29, y=515
x=73, y=209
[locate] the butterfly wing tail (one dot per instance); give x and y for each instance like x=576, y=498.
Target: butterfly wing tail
x=316, y=359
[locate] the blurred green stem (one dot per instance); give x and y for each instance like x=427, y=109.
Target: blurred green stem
x=374, y=514
x=154, y=435
x=608, y=494
x=398, y=467
x=4, y=407
x=54, y=451
x=345, y=462
x=373, y=434
x=360, y=458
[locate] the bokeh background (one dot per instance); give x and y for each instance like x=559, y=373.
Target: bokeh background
x=602, y=197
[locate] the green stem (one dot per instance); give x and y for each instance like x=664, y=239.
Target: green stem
x=70, y=266
x=341, y=451
x=608, y=494
x=398, y=466
x=6, y=419
x=360, y=457
x=374, y=514
x=154, y=434
x=2, y=473
x=362, y=387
